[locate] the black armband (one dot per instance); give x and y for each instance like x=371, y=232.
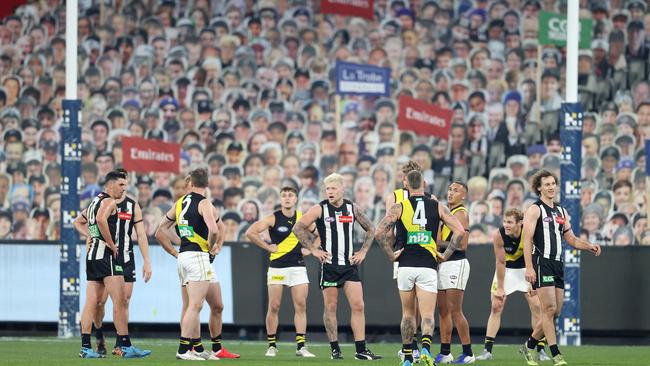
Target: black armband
x=218, y=219
x=566, y=231
x=139, y=221
x=167, y=217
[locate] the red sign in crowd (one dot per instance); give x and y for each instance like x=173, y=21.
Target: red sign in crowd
x=355, y=8
x=424, y=118
x=142, y=155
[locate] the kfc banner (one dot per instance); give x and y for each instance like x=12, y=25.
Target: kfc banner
x=355, y=8
x=144, y=156
x=362, y=79
x=423, y=118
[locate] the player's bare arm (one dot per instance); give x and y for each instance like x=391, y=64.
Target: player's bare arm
x=389, y=201
x=205, y=209
x=253, y=233
x=456, y=228
x=576, y=242
x=107, y=207
x=530, y=221
x=461, y=215
x=385, y=227
x=162, y=232
x=367, y=225
x=143, y=242
x=500, y=255
x=80, y=224
x=306, y=237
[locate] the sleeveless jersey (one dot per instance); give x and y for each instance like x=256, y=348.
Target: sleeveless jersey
x=547, y=240
x=514, y=248
x=446, y=235
x=125, y=224
x=417, y=230
x=190, y=224
x=401, y=195
x=288, y=254
x=335, y=230
x=98, y=247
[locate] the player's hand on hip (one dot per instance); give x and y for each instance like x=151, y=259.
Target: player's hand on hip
x=530, y=275
x=146, y=271
x=396, y=255
x=500, y=294
x=321, y=255
x=440, y=257
x=358, y=257
x=272, y=248
x=305, y=252
x=595, y=249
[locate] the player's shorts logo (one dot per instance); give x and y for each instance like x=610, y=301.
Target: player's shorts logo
x=547, y=279
x=329, y=284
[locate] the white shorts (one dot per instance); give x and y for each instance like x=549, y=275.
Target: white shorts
x=453, y=275
x=424, y=278
x=513, y=281
x=395, y=269
x=289, y=276
x=194, y=267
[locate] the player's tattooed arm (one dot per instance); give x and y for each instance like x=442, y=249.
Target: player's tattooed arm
x=367, y=225
x=385, y=228
x=456, y=228
x=304, y=235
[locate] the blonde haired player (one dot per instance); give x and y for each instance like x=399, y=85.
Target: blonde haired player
x=509, y=277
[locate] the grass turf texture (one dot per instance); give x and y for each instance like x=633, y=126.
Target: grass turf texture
x=52, y=351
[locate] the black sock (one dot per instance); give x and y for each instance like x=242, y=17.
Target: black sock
x=554, y=350
x=99, y=334
x=408, y=352
x=541, y=344
x=124, y=341
x=197, y=345
x=184, y=345
x=426, y=342
x=532, y=342
x=335, y=346
x=85, y=341
x=489, y=342
x=414, y=343
x=445, y=348
x=271, y=339
x=216, y=343
x=467, y=350
x=360, y=346
x=300, y=340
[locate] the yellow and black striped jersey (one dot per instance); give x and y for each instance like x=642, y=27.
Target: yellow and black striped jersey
x=190, y=225
x=514, y=248
x=446, y=235
x=288, y=254
x=416, y=232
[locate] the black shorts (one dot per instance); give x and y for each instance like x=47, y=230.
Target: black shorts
x=129, y=271
x=97, y=269
x=332, y=275
x=549, y=273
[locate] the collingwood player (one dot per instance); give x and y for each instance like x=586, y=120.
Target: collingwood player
x=453, y=274
x=546, y=223
x=286, y=268
x=509, y=277
x=103, y=268
x=193, y=218
x=417, y=220
x=335, y=218
x=129, y=217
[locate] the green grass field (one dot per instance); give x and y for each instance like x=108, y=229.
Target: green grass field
x=51, y=351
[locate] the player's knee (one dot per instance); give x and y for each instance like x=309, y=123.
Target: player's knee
x=330, y=308
x=100, y=305
x=217, y=308
x=357, y=306
x=549, y=310
x=300, y=306
x=497, y=306
x=274, y=307
x=195, y=306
